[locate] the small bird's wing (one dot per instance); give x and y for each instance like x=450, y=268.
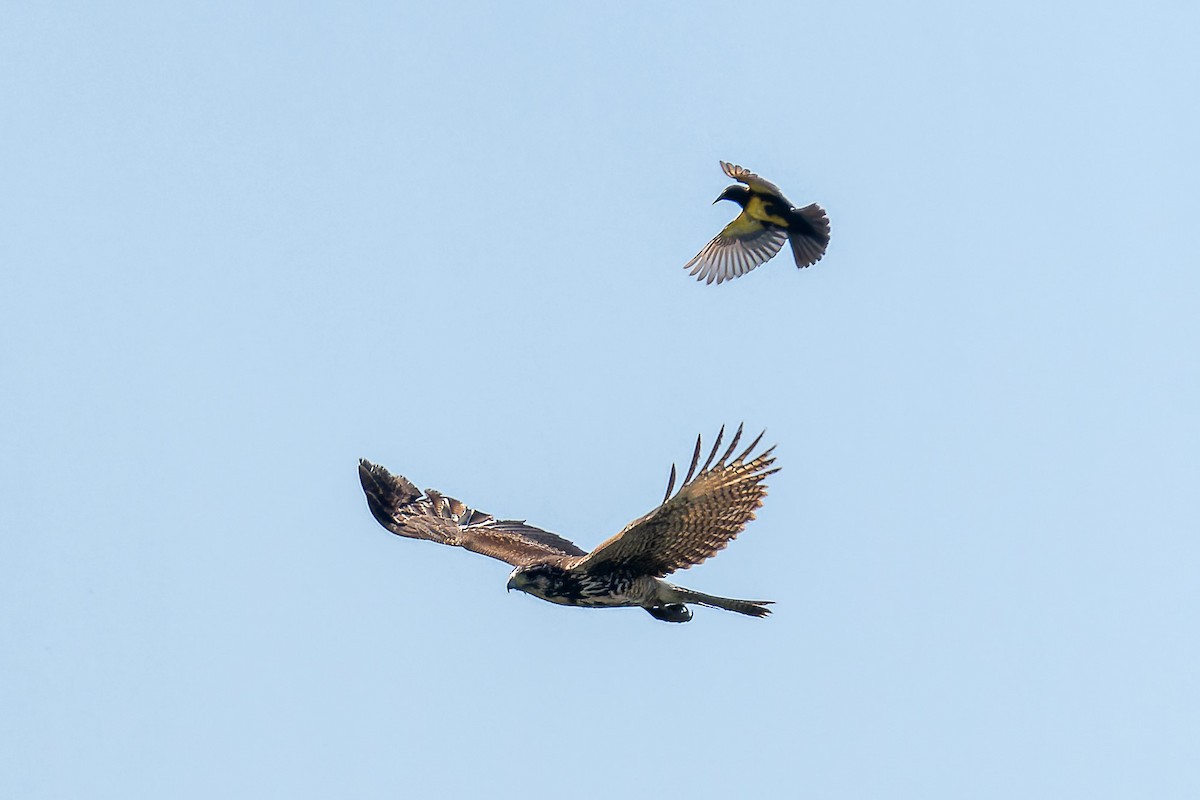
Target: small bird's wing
x=706, y=513
x=756, y=183
x=401, y=508
x=741, y=246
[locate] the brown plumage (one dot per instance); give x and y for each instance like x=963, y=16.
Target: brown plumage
x=712, y=506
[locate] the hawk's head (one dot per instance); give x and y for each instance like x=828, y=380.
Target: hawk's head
x=541, y=580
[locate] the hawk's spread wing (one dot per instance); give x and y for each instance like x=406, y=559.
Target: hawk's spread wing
x=705, y=514
x=756, y=183
x=743, y=245
x=401, y=508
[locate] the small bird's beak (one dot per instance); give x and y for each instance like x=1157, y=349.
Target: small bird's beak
x=719, y=199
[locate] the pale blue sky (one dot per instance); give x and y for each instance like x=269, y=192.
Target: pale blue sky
x=245, y=245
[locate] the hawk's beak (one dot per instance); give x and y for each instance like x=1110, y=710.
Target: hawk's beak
x=511, y=584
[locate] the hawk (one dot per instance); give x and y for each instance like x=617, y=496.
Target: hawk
x=712, y=506
x=768, y=219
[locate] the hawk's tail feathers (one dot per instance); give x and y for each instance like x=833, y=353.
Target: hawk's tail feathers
x=809, y=246
x=752, y=608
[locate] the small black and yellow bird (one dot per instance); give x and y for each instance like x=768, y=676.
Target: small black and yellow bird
x=768, y=219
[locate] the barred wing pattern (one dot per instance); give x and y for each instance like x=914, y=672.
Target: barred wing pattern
x=401, y=508
x=755, y=182
x=707, y=512
x=741, y=246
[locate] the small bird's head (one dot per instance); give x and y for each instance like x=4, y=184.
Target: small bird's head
x=737, y=193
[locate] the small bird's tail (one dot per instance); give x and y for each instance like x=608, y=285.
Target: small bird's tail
x=753, y=608
x=809, y=238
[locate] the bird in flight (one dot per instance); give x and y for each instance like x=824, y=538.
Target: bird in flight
x=768, y=219
x=712, y=506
